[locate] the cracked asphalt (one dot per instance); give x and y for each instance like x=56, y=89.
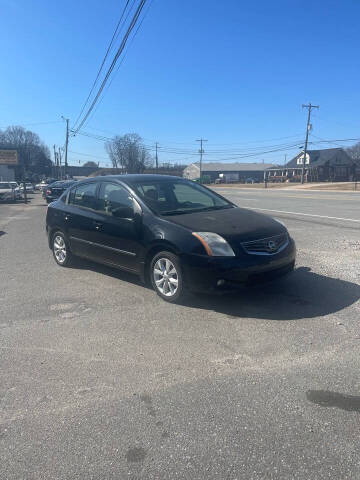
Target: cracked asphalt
x=101, y=379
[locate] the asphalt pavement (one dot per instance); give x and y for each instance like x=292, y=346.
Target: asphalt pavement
x=101, y=379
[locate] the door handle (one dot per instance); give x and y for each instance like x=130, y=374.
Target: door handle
x=98, y=225
x=67, y=217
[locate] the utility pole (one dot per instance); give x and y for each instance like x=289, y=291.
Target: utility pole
x=201, y=151
x=156, y=157
x=66, y=145
x=55, y=161
x=308, y=126
x=59, y=160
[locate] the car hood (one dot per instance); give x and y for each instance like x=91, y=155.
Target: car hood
x=6, y=190
x=231, y=223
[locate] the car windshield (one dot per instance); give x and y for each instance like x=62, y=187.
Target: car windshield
x=5, y=185
x=176, y=197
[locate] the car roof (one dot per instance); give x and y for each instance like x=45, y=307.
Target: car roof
x=64, y=182
x=132, y=178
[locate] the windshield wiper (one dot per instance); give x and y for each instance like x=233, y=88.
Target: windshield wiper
x=176, y=212
x=195, y=210
x=215, y=207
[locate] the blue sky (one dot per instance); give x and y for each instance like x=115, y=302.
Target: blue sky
x=233, y=72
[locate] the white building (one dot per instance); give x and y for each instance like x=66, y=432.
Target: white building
x=230, y=172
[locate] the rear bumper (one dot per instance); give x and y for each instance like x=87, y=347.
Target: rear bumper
x=203, y=273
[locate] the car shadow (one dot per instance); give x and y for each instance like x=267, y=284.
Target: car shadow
x=84, y=264
x=301, y=294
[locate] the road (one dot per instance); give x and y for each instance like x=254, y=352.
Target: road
x=100, y=379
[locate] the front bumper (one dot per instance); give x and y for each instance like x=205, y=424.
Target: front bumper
x=203, y=273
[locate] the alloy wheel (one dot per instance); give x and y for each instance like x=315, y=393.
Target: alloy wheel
x=59, y=248
x=166, y=277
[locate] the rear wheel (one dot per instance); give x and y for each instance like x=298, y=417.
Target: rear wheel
x=166, y=277
x=61, y=251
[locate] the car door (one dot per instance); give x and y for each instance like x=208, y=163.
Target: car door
x=81, y=221
x=119, y=231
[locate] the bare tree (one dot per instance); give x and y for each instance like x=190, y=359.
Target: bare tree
x=354, y=151
x=129, y=153
x=34, y=155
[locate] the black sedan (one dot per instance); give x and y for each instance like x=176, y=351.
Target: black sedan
x=56, y=189
x=176, y=233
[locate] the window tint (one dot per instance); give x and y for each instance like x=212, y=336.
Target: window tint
x=176, y=196
x=186, y=194
x=113, y=197
x=83, y=195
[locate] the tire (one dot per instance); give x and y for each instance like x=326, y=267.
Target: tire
x=166, y=277
x=61, y=250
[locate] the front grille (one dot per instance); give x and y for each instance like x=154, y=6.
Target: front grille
x=267, y=246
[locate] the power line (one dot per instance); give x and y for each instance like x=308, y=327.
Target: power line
x=113, y=63
x=237, y=157
x=121, y=61
x=88, y=155
x=326, y=141
x=103, y=62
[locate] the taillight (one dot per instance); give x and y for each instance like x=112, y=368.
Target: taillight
x=48, y=191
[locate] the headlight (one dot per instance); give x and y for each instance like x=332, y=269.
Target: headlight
x=214, y=244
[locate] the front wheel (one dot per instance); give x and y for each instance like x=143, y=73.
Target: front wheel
x=166, y=277
x=61, y=251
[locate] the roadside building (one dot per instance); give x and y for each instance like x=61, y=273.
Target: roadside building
x=7, y=173
x=9, y=159
x=228, y=172
x=328, y=165
x=74, y=171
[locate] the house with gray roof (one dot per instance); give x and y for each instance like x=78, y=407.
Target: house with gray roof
x=327, y=165
x=229, y=172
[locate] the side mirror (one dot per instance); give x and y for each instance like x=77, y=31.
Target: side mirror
x=123, y=212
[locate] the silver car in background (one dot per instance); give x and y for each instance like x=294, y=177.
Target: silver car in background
x=7, y=192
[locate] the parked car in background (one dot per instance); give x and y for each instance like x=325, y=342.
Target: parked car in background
x=54, y=190
x=29, y=187
x=173, y=232
x=45, y=184
x=16, y=188
x=7, y=192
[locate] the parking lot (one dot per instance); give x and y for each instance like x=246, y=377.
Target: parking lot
x=101, y=379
